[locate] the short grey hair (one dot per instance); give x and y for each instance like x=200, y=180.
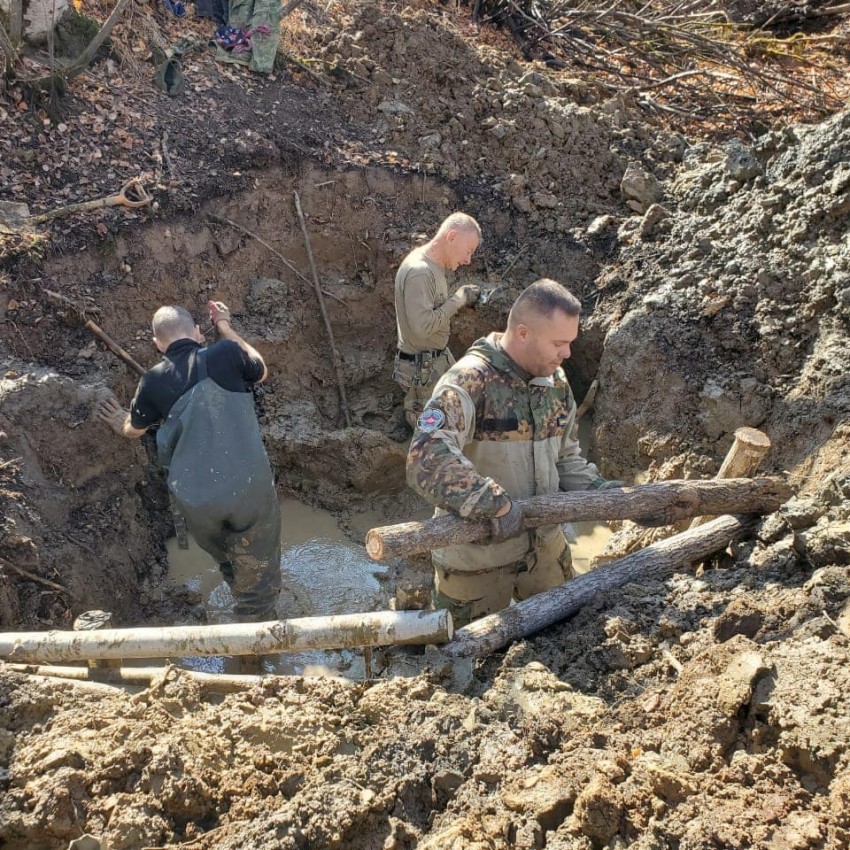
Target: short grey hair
x=542, y=298
x=461, y=222
x=170, y=323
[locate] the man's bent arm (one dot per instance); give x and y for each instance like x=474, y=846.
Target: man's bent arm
x=424, y=319
x=225, y=331
x=438, y=470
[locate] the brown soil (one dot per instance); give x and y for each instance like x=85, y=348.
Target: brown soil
x=705, y=711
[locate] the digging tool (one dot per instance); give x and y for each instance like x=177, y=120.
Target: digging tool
x=131, y=195
x=668, y=500
x=494, y=631
x=181, y=530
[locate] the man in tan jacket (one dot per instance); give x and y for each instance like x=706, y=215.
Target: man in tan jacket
x=424, y=309
x=499, y=427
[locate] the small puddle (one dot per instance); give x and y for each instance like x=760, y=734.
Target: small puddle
x=325, y=573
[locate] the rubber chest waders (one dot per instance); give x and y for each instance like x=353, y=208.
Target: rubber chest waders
x=221, y=481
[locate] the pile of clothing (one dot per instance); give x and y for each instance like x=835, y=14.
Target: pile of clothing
x=248, y=35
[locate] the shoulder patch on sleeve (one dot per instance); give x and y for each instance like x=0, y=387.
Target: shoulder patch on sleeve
x=430, y=420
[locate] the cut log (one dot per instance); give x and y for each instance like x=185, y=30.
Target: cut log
x=223, y=683
x=491, y=633
x=669, y=500
x=742, y=460
x=377, y=628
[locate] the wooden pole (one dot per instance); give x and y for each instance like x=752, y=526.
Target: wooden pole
x=668, y=500
x=114, y=347
x=224, y=683
x=742, y=460
x=491, y=633
x=377, y=628
x=337, y=360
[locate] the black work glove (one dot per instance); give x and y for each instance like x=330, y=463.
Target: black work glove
x=504, y=527
x=603, y=484
x=652, y=521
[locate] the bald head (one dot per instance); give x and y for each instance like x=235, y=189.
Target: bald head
x=455, y=242
x=461, y=223
x=172, y=323
x=541, y=300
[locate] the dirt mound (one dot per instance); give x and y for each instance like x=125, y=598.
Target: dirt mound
x=728, y=306
x=72, y=504
x=455, y=108
x=631, y=726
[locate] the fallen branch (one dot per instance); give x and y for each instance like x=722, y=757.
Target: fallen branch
x=375, y=628
x=25, y=574
x=495, y=631
x=664, y=502
x=288, y=263
x=337, y=360
x=8, y=49
x=742, y=460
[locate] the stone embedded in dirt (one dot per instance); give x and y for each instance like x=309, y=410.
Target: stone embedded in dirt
x=741, y=164
x=598, y=810
x=394, y=107
x=652, y=218
x=802, y=512
x=640, y=188
x=826, y=543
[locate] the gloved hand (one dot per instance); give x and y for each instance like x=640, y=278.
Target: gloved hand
x=111, y=413
x=603, y=484
x=654, y=521
x=509, y=525
x=219, y=311
x=469, y=293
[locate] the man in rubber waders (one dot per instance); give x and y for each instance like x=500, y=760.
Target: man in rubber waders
x=424, y=310
x=209, y=441
x=500, y=426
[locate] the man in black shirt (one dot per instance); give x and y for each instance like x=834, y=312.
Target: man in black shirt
x=209, y=440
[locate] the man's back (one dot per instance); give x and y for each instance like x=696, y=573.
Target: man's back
x=160, y=387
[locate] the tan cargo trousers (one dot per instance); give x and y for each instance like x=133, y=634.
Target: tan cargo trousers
x=469, y=595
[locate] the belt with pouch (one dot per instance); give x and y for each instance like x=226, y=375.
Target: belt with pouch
x=435, y=352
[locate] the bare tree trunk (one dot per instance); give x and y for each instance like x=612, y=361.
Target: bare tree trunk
x=85, y=58
x=491, y=633
x=16, y=21
x=664, y=502
x=8, y=50
x=219, y=682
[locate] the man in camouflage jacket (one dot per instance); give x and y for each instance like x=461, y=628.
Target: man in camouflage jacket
x=501, y=425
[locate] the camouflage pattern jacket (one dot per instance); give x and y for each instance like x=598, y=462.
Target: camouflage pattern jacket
x=490, y=433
